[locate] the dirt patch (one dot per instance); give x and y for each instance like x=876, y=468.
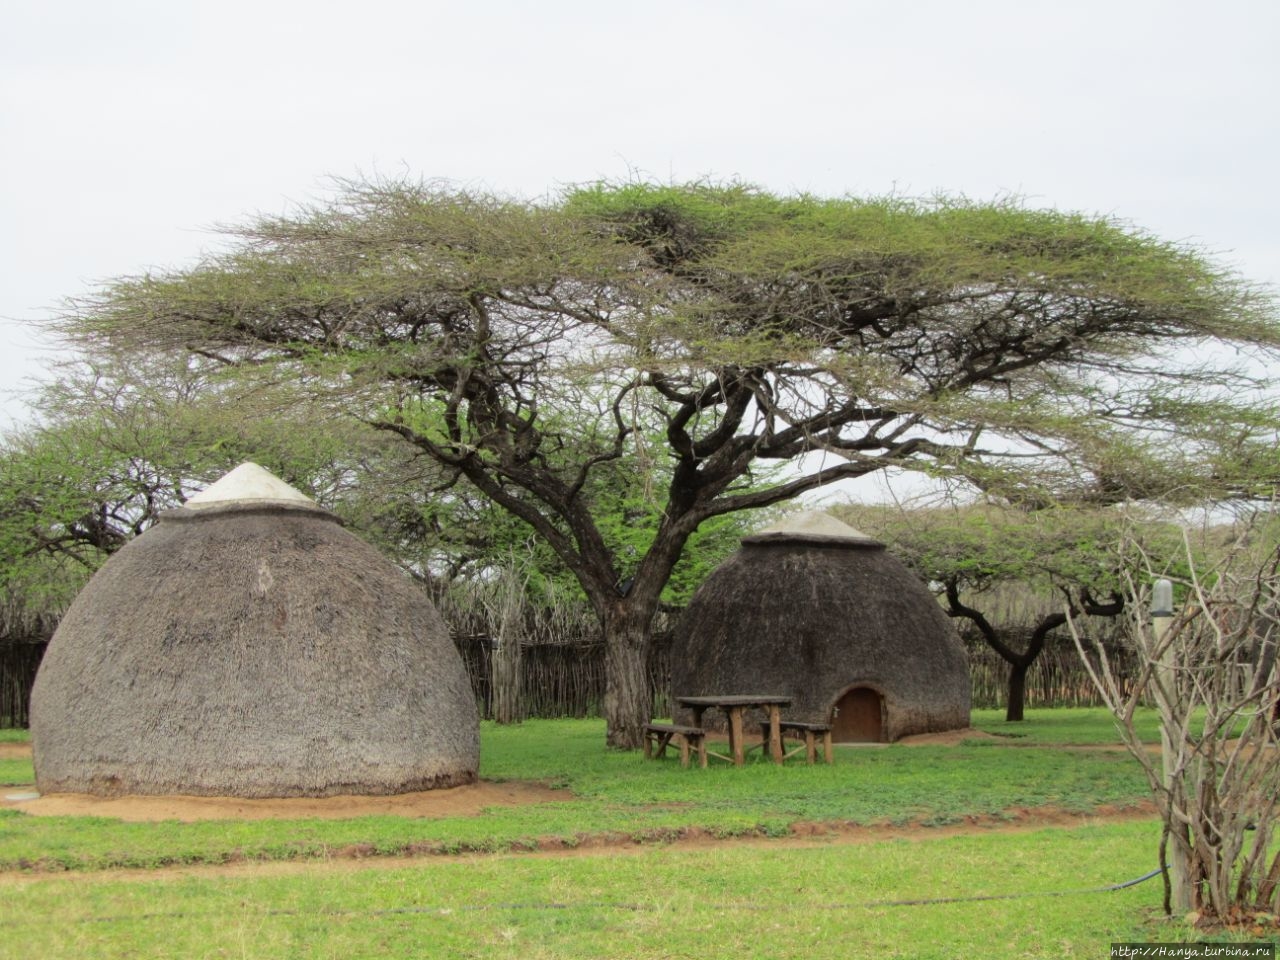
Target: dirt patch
x=453, y=802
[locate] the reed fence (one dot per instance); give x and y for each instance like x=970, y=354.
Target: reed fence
x=18, y=664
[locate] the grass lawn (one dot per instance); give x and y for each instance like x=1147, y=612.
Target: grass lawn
x=1081, y=726
x=16, y=773
x=766, y=901
x=622, y=795
x=764, y=898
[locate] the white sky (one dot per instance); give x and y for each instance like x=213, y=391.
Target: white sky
x=130, y=127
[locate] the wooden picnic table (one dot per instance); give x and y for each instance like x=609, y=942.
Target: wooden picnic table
x=734, y=706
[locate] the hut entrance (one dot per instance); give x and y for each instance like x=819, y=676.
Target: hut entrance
x=859, y=717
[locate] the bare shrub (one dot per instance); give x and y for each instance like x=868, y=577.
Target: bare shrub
x=1209, y=668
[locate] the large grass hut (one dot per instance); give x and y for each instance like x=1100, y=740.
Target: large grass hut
x=812, y=609
x=248, y=645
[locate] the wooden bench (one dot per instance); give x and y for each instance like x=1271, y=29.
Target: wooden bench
x=658, y=735
x=810, y=733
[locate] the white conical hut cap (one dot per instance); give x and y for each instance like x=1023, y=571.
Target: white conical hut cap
x=250, y=484
x=812, y=526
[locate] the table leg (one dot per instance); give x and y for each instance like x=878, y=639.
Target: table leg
x=775, y=732
x=735, y=736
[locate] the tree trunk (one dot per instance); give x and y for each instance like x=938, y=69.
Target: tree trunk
x=627, y=699
x=1017, y=688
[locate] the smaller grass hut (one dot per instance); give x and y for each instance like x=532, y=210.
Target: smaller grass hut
x=812, y=609
x=248, y=645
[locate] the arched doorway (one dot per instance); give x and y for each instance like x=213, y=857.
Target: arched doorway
x=858, y=717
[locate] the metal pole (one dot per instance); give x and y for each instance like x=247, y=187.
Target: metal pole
x=1169, y=704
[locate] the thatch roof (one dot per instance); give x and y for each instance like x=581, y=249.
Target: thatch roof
x=811, y=608
x=251, y=646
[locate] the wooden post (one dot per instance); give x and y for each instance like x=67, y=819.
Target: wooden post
x=735, y=735
x=775, y=732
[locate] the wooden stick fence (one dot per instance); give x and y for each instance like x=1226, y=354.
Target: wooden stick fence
x=565, y=678
x=18, y=664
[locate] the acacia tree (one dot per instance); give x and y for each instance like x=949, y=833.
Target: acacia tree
x=77, y=487
x=118, y=446
x=745, y=328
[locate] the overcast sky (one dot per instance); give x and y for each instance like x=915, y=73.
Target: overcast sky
x=131, y=127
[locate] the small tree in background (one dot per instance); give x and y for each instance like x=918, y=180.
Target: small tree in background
x=1210, y=669
x=116, y=447
x=1061, y=561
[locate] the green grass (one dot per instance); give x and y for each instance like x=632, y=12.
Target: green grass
x=16, y=773
x=619, y=795
x=764, y=899
x=1081, y=726
x=742, y=901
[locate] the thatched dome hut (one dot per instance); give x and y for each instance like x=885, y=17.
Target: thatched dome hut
x=248, y=645
x=812, y=609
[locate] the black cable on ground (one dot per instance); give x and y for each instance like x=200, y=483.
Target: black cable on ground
x=1017, y=896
